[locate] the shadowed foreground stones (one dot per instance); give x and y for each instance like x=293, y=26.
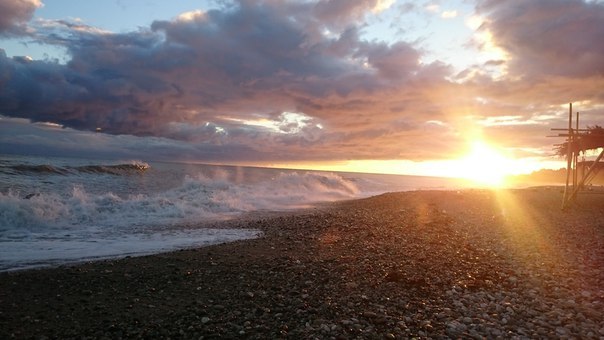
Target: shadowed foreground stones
x=464, y=264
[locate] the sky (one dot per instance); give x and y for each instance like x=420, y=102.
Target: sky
x=371, y=85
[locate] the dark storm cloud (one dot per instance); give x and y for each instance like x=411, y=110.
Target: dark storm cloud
x=14, y=14
x=82, y=96
x=549, y=37
x=253, y=58
x=20, y=136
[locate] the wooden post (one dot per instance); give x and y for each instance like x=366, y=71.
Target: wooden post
x=576, y=153
x=579, y=150
x=569, y=156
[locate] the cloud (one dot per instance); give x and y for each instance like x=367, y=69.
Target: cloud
x=289, y=80
x=433, y=8
x=345, y=12
x=448, y=14
x=221, y=68
x=548, y=37
x=20, y=136
x=14, y=15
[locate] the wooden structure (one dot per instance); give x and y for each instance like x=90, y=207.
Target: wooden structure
x=578, y=141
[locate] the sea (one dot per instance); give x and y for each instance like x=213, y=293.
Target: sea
x=56, y=211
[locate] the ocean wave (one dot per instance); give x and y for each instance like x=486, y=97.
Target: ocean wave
x=43, y=168
x=56, y=227
x=197, y=198
x=118, y=169
x=71, y=210
x=113, y=169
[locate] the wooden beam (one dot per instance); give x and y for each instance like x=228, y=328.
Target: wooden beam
x=562, y=129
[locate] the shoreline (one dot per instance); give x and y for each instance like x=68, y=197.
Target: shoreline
x=467, y=263
x=231, y=222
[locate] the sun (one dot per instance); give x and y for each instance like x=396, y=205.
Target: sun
x=484, y=165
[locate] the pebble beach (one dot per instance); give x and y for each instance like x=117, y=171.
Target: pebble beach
x=422, y=264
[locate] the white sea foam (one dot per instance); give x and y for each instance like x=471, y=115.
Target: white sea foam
x=197, y=198
x=56, y=227
x=62, y=210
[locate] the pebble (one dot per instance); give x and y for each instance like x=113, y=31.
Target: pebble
x=456, y=326
x=299, y=287
x=369, y=314
x=352, y=285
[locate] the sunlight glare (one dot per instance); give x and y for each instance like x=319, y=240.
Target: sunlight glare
x=485, y=165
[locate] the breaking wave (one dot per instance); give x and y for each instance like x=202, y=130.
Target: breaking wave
x=196, y=199
x=64, y=210
x=79, y=224
x=117, y=169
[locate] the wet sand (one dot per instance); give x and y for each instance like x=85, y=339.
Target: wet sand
x=439, y=264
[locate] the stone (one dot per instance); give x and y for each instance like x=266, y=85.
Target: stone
x=369, y=314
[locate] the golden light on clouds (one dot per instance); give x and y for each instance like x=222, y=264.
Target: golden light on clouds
x=448, y=14
x=488, y=49
x=191, y=15
x=474, y=22
x=481, y=163
x=382, y=5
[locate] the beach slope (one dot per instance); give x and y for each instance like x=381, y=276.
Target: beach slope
x=473, y=263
